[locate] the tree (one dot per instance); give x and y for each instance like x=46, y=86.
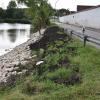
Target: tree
x=63, y=12
x=40, y=11
x=11, y=9
x=12, y=4
x=1, y=13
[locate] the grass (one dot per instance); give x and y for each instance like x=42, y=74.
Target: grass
x=61, y=73
x=41, y=86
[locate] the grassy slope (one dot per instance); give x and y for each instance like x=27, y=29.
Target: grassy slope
x=88, y=59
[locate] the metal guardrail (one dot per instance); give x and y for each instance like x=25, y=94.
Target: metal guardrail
x=84, y=37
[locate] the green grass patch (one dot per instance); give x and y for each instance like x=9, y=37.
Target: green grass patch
x=61, y=73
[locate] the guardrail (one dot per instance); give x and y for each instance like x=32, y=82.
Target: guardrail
x=85, y=38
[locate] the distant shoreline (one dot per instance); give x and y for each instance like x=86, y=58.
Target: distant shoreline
x=22, y=21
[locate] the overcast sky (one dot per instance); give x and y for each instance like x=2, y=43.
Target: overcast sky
x=71, y=4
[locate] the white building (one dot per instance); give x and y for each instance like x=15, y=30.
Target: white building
x=86, y=18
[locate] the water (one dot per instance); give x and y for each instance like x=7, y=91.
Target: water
x=12, y=35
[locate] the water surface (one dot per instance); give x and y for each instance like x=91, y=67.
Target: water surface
x=12, y=35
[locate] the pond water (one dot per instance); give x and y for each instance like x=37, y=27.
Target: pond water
x=12, y=35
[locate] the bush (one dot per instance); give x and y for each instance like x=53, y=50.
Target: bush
x=61, y=73
x=1, y=21
x=32, y=88
x=65, y=76
x=28, y=87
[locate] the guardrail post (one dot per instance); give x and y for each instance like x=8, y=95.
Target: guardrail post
x=71, y=32
x=83, y=30
x=85, y=39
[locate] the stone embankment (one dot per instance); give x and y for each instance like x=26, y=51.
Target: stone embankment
x=19, y=55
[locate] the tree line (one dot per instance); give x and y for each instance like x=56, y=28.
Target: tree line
x=38, y=13
x=14, y=14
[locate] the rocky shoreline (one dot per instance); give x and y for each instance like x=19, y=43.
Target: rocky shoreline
x=19, y=55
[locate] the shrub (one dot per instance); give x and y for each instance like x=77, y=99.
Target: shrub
x=61, y=73
x=28, y=87
x=32, y=88
x=1, y=21
x=67, y=76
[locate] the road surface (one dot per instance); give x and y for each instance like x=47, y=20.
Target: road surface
x=88, y=31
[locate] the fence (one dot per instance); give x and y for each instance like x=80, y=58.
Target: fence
x=85, y=38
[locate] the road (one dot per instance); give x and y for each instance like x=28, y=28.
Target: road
x=88, y=31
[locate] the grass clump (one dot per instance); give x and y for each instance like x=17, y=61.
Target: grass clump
x=61, y=73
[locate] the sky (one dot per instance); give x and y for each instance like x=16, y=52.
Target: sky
x=68, y=4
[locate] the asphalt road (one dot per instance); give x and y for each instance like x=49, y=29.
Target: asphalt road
x=95, y=33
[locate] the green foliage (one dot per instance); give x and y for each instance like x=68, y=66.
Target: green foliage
x=40, y=11
x=12, y=4
x=63, y=12
x=2, y=13
x=85, y=62
x=89, y=89
x=55, y=57
x=28, y=87
x=8, y=20
x=16, y=13
x=14, y=16
x=11, y=9
x=52, y=59
x=61, y=73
